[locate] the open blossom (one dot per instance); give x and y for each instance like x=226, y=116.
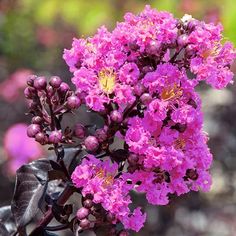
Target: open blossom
x=98, y=178
x=146, y=70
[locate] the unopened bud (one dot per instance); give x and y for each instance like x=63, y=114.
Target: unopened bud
x=40, y=83
x=79, y=131
x=82, y=213
x=55, y=136
x=73, y=102
x=116, y=116
x=91, y=143
x=84, y=224
x=32, y=130
x=55, y=82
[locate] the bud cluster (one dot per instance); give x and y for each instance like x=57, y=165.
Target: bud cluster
x=48, y=101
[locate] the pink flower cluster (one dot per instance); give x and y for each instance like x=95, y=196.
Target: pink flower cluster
x=98, y=178
x=147, y=69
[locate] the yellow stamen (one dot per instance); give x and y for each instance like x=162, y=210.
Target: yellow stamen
x=211, y=52
x=107, y=178
x=108, y=181
x=179, y=143
x=107, y=80
x=171, y=92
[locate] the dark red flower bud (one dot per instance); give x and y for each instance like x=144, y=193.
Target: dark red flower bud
x=33, y=129
x=79, y=131
x=37, y=120
x=64, y=87
x=40, y=83
x=101, y=135
x=91, y=143
x=147, y=69
x=30, y=92
x=50, y=90
x=73, y=102
x=116, y=116
x=133, y=159
x=139, y=89
x=33, y=105
x=30, y=80
x=84, y=224
x=153, y=47
x=41, y=138
x=88, y=203
x=55, y=136
x=55, y=82
x=110, y=217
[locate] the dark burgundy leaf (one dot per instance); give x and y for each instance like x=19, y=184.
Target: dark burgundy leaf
x=3, y=230
x=7, y=219
x=72, y=158
x=31, y=184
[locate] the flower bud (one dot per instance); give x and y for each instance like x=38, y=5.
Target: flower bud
x=133, y=159
x=147, y=69
x=189, y=51
x=139, y=89
x=110, y=217
x=40, y=83
x=55, y=82
x=33, y=105
x=91, y=143
x=182, y=40
x=133, y=46
x=64, y=87
x=84, y=224
x=101, y=135
x=88, y=203
x=73, y=102
x=50, y=90
x=79, y=131
x=28, y=93
x=30, y=80
x=153, y=47
x=32, y=130
x=146, y=98
x=37, y=120
x=55, y=136
x=41, y=138
x=82, y=213
x=116, y=116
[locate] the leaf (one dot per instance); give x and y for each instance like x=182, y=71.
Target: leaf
x=72, y=158
x=31, y=184
x=7, y=219
x=3, y=230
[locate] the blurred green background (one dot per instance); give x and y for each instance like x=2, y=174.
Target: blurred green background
x=33, y=34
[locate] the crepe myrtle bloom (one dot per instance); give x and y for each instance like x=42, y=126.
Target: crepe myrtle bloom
x=141, y=79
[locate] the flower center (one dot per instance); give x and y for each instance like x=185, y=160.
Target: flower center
x=179, y=143
x=211, y=52
x=107, y=79
x=107, y=178
x=171, y=92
